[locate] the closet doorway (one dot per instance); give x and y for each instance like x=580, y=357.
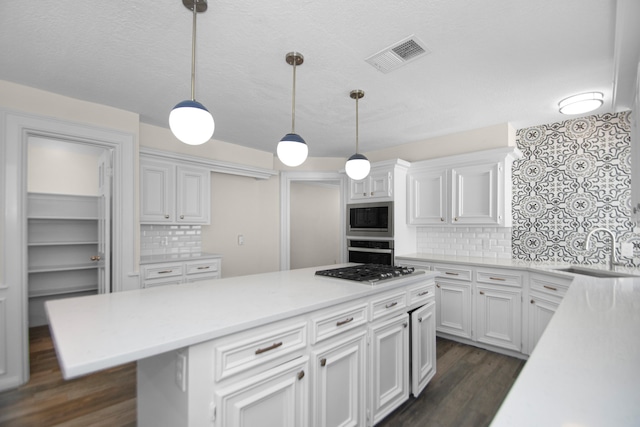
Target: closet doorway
x=68, y=221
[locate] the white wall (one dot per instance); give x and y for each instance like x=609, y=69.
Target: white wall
x=315, y=224
x=58, y=167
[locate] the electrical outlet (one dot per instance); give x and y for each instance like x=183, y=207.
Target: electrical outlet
x=181, y=371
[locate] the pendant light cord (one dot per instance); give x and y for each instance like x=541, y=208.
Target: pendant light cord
x=193, y=52
x=357, y=121
x=293, y=99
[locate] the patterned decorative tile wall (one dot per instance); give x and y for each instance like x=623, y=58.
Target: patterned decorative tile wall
x=574, y=176
x=486, y=242
x=170, y=239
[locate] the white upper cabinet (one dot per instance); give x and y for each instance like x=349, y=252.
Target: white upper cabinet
x=173, y=193
x=468, y=189
x=380, y=183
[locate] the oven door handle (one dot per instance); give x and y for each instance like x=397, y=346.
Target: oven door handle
x=370, y=250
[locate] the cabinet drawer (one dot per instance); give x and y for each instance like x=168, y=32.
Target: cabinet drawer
x=165, y=270
x=202, y=266
x=421, y=293
x=388, y=304
x=549, y=285
x=162, y=282
x=499, y=277
x=453, y=272
x=258, y=349
x=328, y=325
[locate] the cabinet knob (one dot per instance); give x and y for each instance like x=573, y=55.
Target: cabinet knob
x=323, y=361
x=405, y=324
x=372, y=193
x=167, y=216
x=181, y=216
x=455, y=219
x=95, y=258
x=481, y=293
x=419, y=319
x=437, y=285
x=364, y=194
x=441, y=219
x=533, y=302
x=300, y=375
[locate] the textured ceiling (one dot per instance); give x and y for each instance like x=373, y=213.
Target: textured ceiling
x=491, y=62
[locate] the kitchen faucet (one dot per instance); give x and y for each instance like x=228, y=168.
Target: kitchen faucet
x=613, y=261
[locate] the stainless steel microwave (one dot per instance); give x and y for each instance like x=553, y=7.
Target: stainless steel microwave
x=370, y=220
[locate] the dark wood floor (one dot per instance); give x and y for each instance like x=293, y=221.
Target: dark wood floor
x=469, y=386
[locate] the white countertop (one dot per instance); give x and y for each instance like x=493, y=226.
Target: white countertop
x=101, y=331
x=172, y=257
x=585, y=369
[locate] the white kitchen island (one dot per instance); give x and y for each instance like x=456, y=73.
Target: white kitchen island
x=268, y=346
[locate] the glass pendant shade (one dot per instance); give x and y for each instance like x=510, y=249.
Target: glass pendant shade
x=292, y=150
x=191, y=123
x=582, y=103
x=357, y=167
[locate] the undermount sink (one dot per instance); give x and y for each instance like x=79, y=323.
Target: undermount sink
x=594, y=273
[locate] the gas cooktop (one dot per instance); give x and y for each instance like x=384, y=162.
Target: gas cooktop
x=368, y=273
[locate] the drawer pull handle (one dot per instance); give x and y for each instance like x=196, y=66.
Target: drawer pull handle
x=497, y=278
x=481, y=293
x=451, y=273
x=343, y=322
x=300, y=375
x=391, y=304
x=165, y=271
x=271, y=347
x=550, y=287
x=323, y=361
x=423, y=293
x=205, y=267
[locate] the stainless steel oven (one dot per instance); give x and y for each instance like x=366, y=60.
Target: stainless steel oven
x=370, y=251
x=370, y=220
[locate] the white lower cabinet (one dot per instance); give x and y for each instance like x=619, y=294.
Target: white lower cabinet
x=499, y=316
x=453, y=315
x=389, y=367
x=175, y=273
x=275, y=398
x=423, y=347
x=339, y=382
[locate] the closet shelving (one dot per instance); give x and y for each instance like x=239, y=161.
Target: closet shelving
x=62, y=239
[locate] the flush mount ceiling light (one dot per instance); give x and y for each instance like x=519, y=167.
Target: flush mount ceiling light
x=582, y=103
x=190, y=121
x=358, y=166
x=292, y=150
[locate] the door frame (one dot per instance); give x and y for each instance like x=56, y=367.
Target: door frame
x=286, y=178
x=16, y=129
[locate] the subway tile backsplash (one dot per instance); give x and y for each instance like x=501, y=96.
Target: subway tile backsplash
x=170, y=239
x=486, y=242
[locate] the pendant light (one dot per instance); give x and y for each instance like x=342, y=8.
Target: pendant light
x=190, y=121
x=292, y=150
x=357, y=166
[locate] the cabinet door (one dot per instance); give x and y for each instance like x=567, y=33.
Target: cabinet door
x=423, y=347
x=359, y=189
x=193, y=194
x=476, y=197
x=453, y=308
x=380, y=185
x=541, y=310
x=275, y=398
x=389, y=366
x=339, y=383
x=428, y=199
x=498, y=317
x=157, y=191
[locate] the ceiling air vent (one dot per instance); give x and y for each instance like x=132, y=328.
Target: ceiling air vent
x=398, y=54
